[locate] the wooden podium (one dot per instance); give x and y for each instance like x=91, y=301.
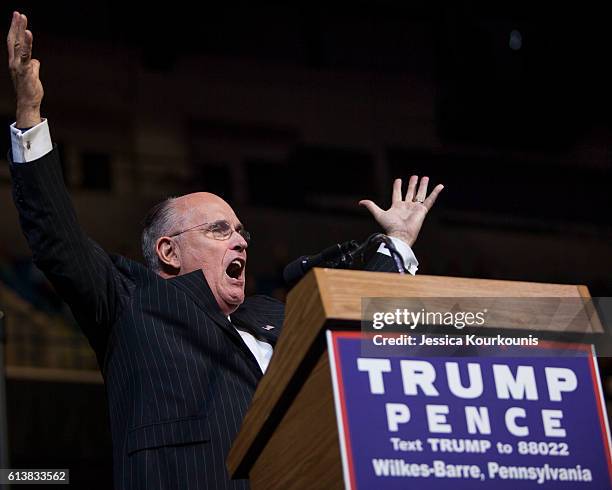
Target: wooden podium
x=289, y=437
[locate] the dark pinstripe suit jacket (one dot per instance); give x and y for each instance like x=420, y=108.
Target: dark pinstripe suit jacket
x=178, y=376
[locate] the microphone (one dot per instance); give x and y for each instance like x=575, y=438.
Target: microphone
x=341, y=256
x=337, y=256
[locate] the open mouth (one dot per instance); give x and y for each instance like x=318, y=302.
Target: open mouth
x=235, y=268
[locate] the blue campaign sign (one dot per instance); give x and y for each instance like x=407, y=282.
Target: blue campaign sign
x=442, y=422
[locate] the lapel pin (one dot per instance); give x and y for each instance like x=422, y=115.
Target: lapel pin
x=268, y=327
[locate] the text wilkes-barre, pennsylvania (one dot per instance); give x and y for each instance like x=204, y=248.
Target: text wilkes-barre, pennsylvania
x=441, y=469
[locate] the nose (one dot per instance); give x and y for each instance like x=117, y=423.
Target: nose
x=238, y=242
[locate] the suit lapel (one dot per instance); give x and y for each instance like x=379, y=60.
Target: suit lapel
x=195, y=286
x=266, y=332
x=262, y=315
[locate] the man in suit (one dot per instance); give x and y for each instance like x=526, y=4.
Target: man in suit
x=180, y=348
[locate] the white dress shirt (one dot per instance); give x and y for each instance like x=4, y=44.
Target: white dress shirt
x=261, y=350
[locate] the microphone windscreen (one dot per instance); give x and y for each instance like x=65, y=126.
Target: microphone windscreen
x=294, y=271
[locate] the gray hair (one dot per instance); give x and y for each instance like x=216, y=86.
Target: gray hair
x=159, y=221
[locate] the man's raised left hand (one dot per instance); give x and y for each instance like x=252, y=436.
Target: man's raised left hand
x=405, y=217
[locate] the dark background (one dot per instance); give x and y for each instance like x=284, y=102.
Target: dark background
x=293, y=113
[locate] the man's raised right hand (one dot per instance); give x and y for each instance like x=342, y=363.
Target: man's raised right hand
x=24, y=72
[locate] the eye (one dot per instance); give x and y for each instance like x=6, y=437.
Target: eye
x=220, y=226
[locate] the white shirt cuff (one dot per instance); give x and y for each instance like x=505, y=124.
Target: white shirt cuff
x=32, y=144
x=410, y=261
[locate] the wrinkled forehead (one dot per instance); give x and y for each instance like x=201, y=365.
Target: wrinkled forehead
x=203, y=207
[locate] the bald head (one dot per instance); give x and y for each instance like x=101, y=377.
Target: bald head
x=196, y=208
x=172, y=215
x=198, y=231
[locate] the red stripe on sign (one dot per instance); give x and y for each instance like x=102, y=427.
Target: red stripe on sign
x=600, y=412
x=347, y=437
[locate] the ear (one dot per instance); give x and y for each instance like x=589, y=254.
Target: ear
x=168, y=253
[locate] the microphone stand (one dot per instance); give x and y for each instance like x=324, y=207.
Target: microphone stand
x=4, y=448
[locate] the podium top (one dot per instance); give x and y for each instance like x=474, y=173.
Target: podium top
x=342, y=290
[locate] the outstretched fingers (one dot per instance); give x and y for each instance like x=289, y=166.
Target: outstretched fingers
x=411, y=187
x=431, y=199
x=422, y=192
x=396, y=195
